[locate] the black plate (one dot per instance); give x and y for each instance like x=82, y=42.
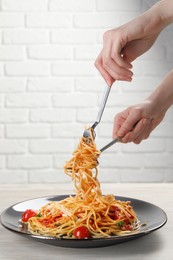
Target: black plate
x=153, y=217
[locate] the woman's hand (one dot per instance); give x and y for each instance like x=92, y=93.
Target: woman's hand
x=135, y=123
x=123, y=45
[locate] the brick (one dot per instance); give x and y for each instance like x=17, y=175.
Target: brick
x=103, y=5
x=12, y=147
x=12, y=53
x=11, y=20
x=1, y=69
x=158, y=53
x=125, y=99
x=168, y=116
x=13, y=177
x=165, y=37
x=1, y=131
x=160, y=68
x=59, y=160
x=86, y=52
x=168, y=175
x=27, y=100
x=152, y=160
x=126, y=17
x=71, y=6
x=26, y=36
x=109, y=175
x=2, y=161
x=144, y=175
x=48, y=176
x=27, y=68
x=73, y=36
x=50, y=52
x=105, y=130
x=165, y=129
x=59, y=115
x=138, y=69
x=24, y=5
x=73, y=68
x=147, y=146
x=169, y=144
x=29, y=162
x=142, y=84
x=121, y=160
x=96, y=20
x=48, y=20
x=27, y=131
x=74, y=100
x=1, y=101
x=90, y=84
x=67, y=130
x=109, y=114
x=50, y=84
x=13, y=116
x=51, y=146
x=86, y=115
x=10, y=85
x=136, y=160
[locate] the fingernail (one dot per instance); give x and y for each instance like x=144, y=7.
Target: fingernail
x=121, y=133
x=109, y=83
x=129, y=79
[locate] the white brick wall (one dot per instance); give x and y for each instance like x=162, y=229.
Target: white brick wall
x=50, y=90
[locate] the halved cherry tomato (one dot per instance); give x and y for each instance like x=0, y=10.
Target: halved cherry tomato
x=81, y=232
x=29, y=213
x=117, y=213
x=127, y=227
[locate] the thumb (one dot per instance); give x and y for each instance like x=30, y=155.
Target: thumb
x=129, y=123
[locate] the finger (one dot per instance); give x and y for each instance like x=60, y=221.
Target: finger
x=107, y=77
x=118, y=121
x=116, y=72
x=110, y=65
x=140, y=132
x=113, y=42
x=119, y=57
x=131, y=119
x=140, y=128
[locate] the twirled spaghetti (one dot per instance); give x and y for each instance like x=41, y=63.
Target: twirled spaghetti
x=88, y=213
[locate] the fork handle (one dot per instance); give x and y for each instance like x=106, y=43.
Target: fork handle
x=109, y=144
x=102, y=106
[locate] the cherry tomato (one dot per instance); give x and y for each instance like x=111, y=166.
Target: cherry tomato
x=81, y=232
x=29, y=213
x=127, y=227
x=116, y=213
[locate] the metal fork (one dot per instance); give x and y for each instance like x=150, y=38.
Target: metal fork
x=100, y=112
x=109, y=144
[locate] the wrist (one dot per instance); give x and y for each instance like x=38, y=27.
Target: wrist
x=164, y=10
x=162, y=96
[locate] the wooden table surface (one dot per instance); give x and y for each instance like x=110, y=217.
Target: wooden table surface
x=155, y=246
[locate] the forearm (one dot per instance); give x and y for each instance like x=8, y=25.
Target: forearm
x=165, y=10
x=162, y=96
x=155, y=19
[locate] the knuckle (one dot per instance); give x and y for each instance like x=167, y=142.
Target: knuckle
x=96, y=63
x=106, y=62
x=107, y=35
x=137, y=141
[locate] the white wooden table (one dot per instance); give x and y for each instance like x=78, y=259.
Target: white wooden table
x=156, y=246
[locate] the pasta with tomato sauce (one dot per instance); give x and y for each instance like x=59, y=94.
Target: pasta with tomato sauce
x=88, y=214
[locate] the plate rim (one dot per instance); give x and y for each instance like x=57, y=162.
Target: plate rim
x=42, y=237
